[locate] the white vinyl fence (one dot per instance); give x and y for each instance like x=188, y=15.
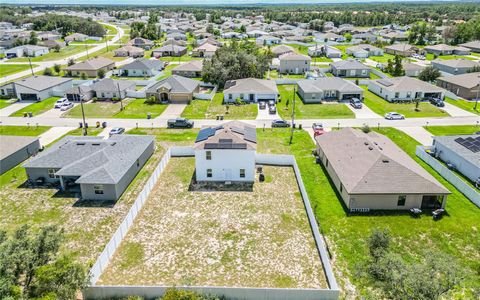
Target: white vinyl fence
x=469, y=192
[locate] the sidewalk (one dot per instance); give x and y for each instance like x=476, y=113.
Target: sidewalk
x=53, y=134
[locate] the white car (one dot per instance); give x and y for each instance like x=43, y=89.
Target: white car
x=66, y=106
x=60, y=102
x=394, y=116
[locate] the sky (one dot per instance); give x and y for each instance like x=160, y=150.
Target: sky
x=186, y=2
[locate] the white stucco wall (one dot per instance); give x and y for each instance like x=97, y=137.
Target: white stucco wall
x=225, y=165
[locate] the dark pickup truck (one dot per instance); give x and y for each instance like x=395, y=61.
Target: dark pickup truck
x=179, y=123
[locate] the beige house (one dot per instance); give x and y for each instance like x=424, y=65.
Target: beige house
x=91, y=67
x=205, y=50
x=371, y=172
x=130, y=51
x=189, y=69
x=401, y=49
x=465, y=85
x=292, y=63
x=174, y=89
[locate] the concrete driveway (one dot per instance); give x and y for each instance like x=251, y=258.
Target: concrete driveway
x=53, y=134
x=455, y=111
x=172, y=111
x=422, y=135
x=5, y=112
x=363, y=113
x=263, y=114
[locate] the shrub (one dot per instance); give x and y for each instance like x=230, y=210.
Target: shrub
x=47, y=72
x=366, y=128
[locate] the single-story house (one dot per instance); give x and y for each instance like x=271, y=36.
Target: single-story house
x=465, y=85
x=142, y=67
x=169, y=50
x=370, y=172
x=350, y=68
x=82, y=92
x=332, y=52
x=178, y=36
x=401, y=49
x=141, y=43
x=189, y=69
x=455, y=66
x=97, y=168
x=411, y=69
x=26, y=50
x=175, y=89
x=364, y=51
x=315, y=51
x=461, y=151
x=50, y=44
x=329, y=36
x=404, y=89
x=293, y=63
x=130, y=51
x=267, y=40
x=281, y=49
x=76, y=37
x=444, y=49
x=91, y=66
x=37, y=88
x=16, y=149
x=250, y=89
x=328, y=89
x=108, y=89
x=474, y=46
x=49, y=36
x=226, y=153
x=205, y=50
x=174, y=42
x=365, y=36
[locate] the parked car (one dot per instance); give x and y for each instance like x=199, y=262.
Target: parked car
x=117, y=130
x=280, y=123
x=271, y=102
x=394, y=116
x=437, y=102
x=317, y=126
x=66, y=106
x=356, y=103
x=272, y=110
x=179, y=123
x=60, y=102
x=262, y=105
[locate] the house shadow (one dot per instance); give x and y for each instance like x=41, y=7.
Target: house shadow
x=196, y=186
x=94, y=203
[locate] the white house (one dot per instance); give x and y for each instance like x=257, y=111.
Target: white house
x=26, y=50
x=404, y=89
x=226, y=153
x=250, y=89
x=41, y=87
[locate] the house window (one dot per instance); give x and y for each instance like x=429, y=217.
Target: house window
x=409, y=94
x=381, y=90
x=397, y=95
x=138, y=163
x=230, y=96
x=341, y=188
x=208, y=155
x=242, y=173
x=326, y=163
x=51, y=173
x=364, y=72
x=209, y=173
x=313, y=96
x=241, y=96
x=98, y=189
x=401, y=200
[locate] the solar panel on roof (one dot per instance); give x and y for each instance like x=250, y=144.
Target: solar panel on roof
x=472, y=144
x=250, y=134
x=204, y=134
x=385, y=82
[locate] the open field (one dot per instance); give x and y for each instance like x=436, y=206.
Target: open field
x=309, y=111
x=381, y=107
x=253, y=238
x=465, y=105
x=346, y=234
x=204, y=109
x=9, y=69
x=452, y=129
x=37, y=108
x=23, y=130
x=88, y=226
x=52, y=55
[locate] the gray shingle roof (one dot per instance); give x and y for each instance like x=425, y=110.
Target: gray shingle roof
x=406, y=83
x=144, y=64
x=176, y=84
x=456, y=63
x=328, y=83
x=450, y=143
x=193, y=65
x=11, y=144
x=349, y=64
x=108, y=84
x=93, y=159
x=92, y=64
x=251, y=85
x=468, y=80
x=40, y=83
x=373, y=164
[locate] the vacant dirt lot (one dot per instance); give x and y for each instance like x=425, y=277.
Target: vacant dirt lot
x=258, y=238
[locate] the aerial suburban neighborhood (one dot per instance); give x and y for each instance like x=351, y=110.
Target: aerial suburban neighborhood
x=249, y=150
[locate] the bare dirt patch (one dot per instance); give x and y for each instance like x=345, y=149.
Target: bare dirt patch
x=258, y=238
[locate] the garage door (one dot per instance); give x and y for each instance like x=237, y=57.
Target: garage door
x=28, y=96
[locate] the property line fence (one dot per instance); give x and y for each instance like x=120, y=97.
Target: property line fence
x=241, y=293
x=208, y=96
x=451, y=177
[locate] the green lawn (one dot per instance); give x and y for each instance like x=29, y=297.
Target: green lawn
x=381, y=107
x=102, y=52
x=346, y=234
x=465, y=105
x=138, y=109
x=167, y=71
x=94, y=42
x=452, y=129
x=430, y=56
x=204, y=109
x=8, y=69
x=309, y=111
x=52, y=55
x=23, y=130
x=37, y=108
x=5, y=102
x=273, y=74
x=383, y=59
x=299, y=48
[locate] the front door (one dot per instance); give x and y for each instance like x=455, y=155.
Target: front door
x=252, y=97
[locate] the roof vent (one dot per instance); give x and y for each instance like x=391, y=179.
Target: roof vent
x=366, y=143
x=113, y=144
x=370, y=148
x=385, y=161
x=80, y=143
x=96, y=144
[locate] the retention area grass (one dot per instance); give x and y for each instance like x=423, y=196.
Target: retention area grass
x=381, y=107
x=453, y=129
x=37, y=108
x=204, y=109
x=465, y=105
x=9, y=69
x=383, y=59
x=346, y=234
x=23, y=130
x=309, y=111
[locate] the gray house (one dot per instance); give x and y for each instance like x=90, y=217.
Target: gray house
x=328, y=89
x=175, y=89
x=350, y=68
x=99, y=169
x=15, y=149
x=41, y=87
x=462, y=151
x=455, y=66
x=107, y=88
x=292, y=63
x=142, y=67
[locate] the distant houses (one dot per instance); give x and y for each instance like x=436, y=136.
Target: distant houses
x=109, y=89
x=16, y=149
x=26, y=50
x=129, y=51
x=90, y=67
x=401, y=49
x=443, y=49
x=141, y=43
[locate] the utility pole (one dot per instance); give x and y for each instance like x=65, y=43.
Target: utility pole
x=83, y=112
x=478, y=94
x=293, y=115
x=31, y=68
x=120, y=96
x=86, y=48
x=106, y=44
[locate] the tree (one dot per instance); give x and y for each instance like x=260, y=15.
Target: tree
x=56, y=48
x=398, y=67
x=47, y=72
x=209, y=28
x=348, y=37
x=83, y=76
x=429, y=74
x=378, y=242
x=71, y=62
x=101, y=73
x=33, y=38
x=56, y=68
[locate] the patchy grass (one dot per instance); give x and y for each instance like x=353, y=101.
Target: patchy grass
x=309, y=111
x=23, y=130
x=138, y=109
x=204, y=109
x=101, y=52
x=465, y=105
x=381, y=107
x=52, y=55
x=452, y=129
x=37, y=108
x=383, y=59
x=9, y=69
x=258, y=238
x=98, y=109
x=299, y=49
x=456, y=234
